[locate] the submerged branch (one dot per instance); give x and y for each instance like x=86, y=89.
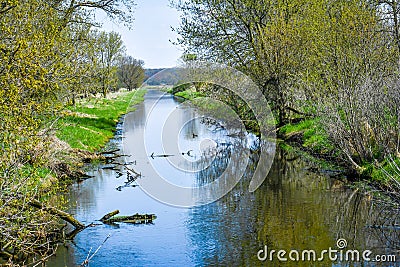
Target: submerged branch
x=109, y=215
x=135, y=218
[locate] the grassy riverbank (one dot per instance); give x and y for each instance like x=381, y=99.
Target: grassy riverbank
x=85, y=128
x=308, y=138
x=91, y=123
x=30, y=217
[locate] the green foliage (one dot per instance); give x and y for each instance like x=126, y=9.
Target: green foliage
x=180, y=88
x=110, y=49
x=384, y=172
x=335, y=60
x=266, y=40
x=189, y=94
x=25, y=229
x=48, y=57
x=298, y=127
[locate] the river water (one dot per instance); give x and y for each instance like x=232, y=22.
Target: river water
x=294, y=209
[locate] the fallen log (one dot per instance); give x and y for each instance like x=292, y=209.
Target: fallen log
x=109, y=215
x=137, y=218
x=116, y=156
x=61, y=214
x=112, y=157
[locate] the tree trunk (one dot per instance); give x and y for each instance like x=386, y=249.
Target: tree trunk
x=281, y=102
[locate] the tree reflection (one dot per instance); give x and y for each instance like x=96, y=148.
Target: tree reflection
x=293, y=209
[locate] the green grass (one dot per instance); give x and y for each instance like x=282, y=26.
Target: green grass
x=382, y=173
x=91, y=123
x=315, y=139
x=189, y=94
x=313, y=135
x=176, y=89
x=298, y=127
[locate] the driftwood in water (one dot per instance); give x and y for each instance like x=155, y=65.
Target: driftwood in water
x=112, y=158
x=135, y=218
x=130, y=179
x=124, y=165
x=109, y=215
x=119, y=188
x=71, y=235
x=110, y=168
x=109, y=152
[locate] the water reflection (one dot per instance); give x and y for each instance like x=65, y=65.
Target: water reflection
x=293, y=209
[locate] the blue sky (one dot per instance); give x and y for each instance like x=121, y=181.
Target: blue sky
x=149, y=38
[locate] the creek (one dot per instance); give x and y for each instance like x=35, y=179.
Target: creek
x=294, y=208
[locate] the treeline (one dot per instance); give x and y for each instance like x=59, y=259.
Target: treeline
x=51, y=53
x=333, y=61
x=161, y=76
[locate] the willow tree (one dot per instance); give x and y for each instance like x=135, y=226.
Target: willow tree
x=264, y=39
x=335, y=58
x=81, y=64
x=351, y=78
x=109, y=49
x=40, y=49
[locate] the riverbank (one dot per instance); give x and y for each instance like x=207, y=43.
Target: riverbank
x=91, y=123
x=84, y=129
x=307, y=138
x=32, y=189
x=294, y=203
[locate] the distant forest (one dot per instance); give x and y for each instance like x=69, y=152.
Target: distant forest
x=167, y=76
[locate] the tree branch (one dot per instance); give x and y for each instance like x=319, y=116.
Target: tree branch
x=61, y=214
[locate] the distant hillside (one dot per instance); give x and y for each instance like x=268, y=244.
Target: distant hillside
x=161, y=76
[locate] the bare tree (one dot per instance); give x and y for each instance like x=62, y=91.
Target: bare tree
x=80, y=11
x=389, y=10
x=131, y=72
